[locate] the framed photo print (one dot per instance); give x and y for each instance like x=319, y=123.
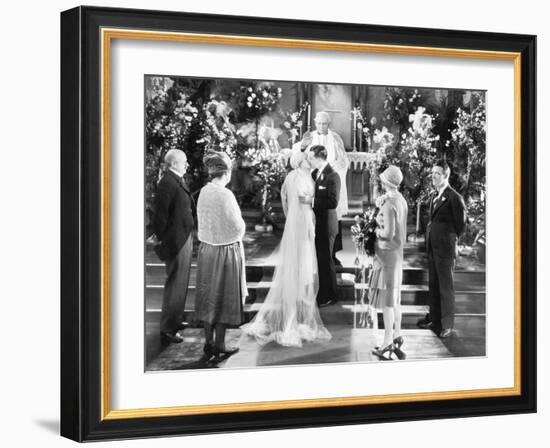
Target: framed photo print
x=275, y=223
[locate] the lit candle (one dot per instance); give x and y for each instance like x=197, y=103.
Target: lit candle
x=308, y=115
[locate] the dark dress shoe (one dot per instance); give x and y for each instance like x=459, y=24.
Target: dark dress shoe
x=171, y=338
x=327, y=303
x=425, y=323
x=445, y=333
x=223, y=354
x=208, y=352
x=225, y=350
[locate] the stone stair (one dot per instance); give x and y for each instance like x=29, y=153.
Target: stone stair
x=469, y=286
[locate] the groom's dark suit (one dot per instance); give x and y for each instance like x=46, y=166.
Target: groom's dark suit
x=447, y=222
x=327, y=193
x=173, y=223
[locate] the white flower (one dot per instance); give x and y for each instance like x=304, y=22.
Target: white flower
x=253, y=95
x=249, y=99
x=265, y=94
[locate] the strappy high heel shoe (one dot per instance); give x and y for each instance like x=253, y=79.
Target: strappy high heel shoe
x=380, y=352
x=397, y=343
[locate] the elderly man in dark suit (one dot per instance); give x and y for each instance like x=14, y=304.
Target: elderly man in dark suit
x=447, y=222
x=324, y=203
x=173, y=223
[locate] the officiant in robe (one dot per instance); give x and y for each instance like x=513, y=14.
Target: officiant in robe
x=336, y=158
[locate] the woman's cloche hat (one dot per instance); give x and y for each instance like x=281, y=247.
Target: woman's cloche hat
x=392, y=175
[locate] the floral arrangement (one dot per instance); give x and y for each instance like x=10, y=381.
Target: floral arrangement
x=268, y=170
x=398, y=105
x=467, y=148
x=170, y=116
x=218, y=132
x=259, y=99
x=268, y=136
x=363, y=232
x=293, y=123
x=418, y=153
x=376, y=141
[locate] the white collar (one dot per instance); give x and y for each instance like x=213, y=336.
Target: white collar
x=323, y=135
x=177, y=173
x=442, y=189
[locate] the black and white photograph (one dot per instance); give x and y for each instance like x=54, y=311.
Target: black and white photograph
x=301, y=223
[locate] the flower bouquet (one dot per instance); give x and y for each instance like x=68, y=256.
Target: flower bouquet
x=363, y=232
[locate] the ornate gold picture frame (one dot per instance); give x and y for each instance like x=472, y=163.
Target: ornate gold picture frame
x=87, y=35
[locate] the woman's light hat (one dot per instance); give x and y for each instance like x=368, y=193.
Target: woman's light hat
x=392, y=175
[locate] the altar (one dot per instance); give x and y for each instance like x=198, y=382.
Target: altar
x=361, y=184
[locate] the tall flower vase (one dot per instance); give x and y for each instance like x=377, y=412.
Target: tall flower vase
x=363, y=271
x=264, y=225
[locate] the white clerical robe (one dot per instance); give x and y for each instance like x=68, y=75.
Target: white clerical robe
x=338, y=160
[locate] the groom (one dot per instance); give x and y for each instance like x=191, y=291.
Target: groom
x=324, y=203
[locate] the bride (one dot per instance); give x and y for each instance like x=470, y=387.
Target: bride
x=289, y=314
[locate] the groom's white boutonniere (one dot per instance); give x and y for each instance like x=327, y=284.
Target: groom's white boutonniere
x=321, y=177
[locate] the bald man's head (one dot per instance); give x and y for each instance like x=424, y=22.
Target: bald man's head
x=177, y=160
x=322, y=121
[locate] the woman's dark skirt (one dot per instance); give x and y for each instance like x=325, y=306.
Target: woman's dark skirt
x=219, y=296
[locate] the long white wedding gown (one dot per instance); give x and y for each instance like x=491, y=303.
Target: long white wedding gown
x=289, y=314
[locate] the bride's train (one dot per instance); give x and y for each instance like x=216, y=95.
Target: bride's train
x=289, y=315
x=290, y=328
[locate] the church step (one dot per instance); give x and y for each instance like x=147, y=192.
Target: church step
x=465, y=302
x=344, y=315
x=464, y=280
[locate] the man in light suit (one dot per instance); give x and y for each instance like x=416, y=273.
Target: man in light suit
x=446, y=224
x=173, y=222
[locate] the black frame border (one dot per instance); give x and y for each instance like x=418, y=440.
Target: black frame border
x=81, y=223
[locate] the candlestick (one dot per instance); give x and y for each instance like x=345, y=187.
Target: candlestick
x=308, y=117
x=354, y=129
x=418, y=217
